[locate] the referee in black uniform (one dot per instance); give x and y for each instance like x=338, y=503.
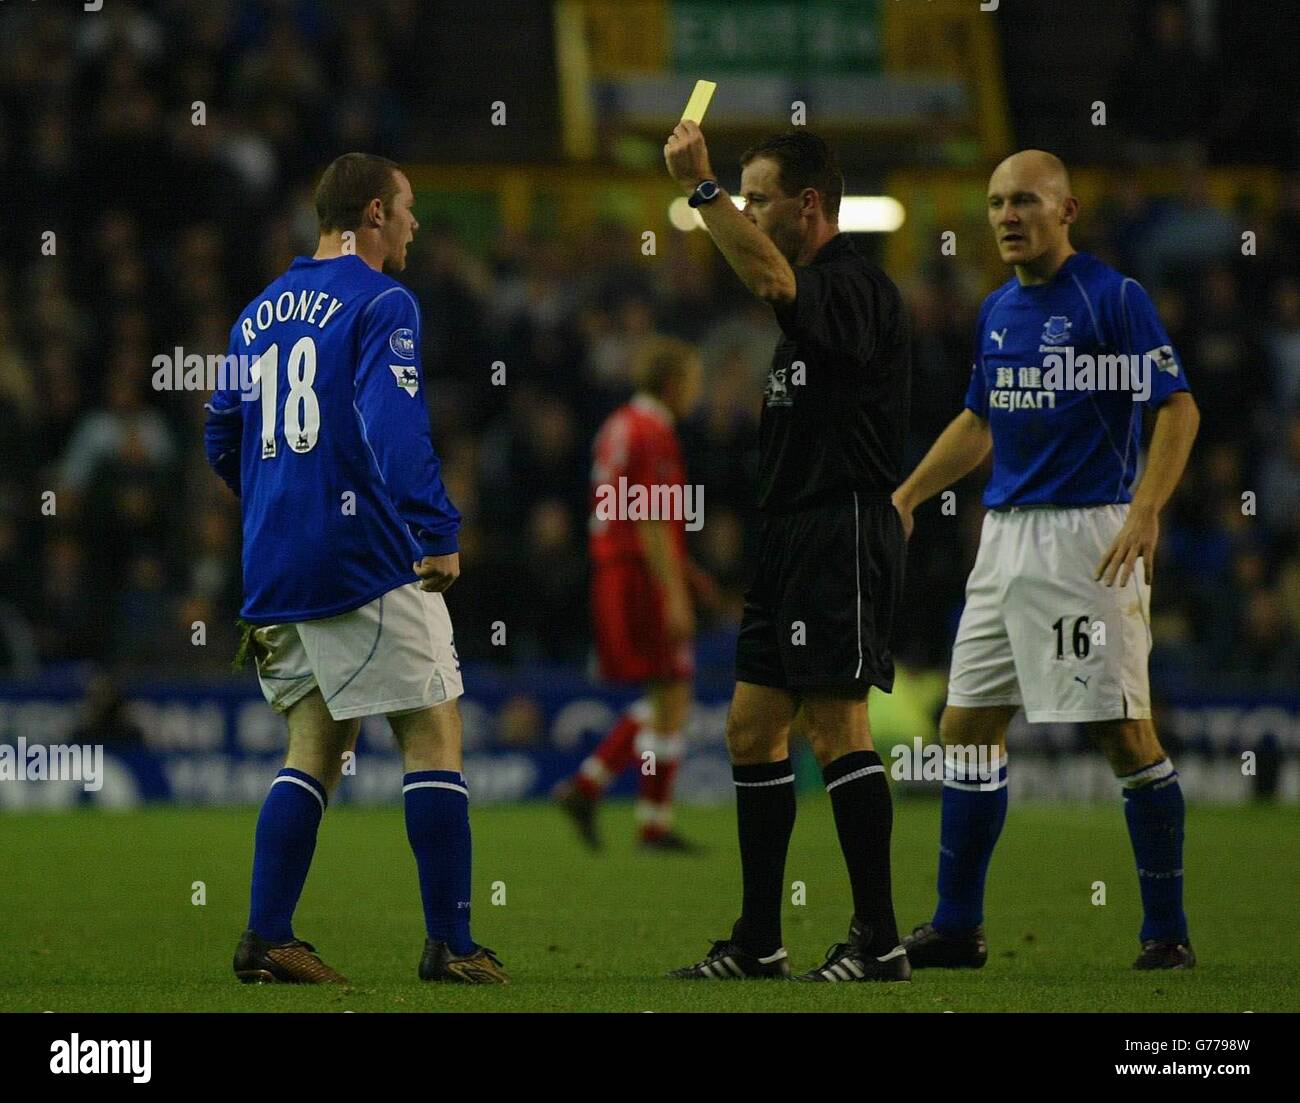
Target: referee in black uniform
x=818, y=615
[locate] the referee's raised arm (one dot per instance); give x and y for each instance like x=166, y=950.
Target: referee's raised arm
x=753, y=255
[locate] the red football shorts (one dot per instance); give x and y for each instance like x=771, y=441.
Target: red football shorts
x=631, y=631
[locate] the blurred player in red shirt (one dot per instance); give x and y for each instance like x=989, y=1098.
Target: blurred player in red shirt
x=643, y=592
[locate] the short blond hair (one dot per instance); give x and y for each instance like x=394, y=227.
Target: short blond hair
x=659, y=361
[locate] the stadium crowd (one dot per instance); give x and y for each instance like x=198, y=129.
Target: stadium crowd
x=176, y=225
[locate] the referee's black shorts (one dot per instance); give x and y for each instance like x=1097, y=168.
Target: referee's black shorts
x=820, y=611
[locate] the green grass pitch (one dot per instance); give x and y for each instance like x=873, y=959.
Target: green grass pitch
x=98, y=914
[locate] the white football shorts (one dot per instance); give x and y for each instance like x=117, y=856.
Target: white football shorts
x=394, y=654
x=1038, y=631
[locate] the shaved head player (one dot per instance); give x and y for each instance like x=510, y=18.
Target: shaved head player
x=1057, y=616
x=814, y=637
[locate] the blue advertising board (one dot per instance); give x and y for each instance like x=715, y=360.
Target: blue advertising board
x=217, y=743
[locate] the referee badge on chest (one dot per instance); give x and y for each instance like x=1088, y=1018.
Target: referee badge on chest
x=777, y=392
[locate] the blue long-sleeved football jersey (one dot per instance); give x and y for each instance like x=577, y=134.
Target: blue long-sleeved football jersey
x=329, y=449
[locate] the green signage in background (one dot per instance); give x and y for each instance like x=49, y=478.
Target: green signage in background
x=762, y=37
x=474, y=214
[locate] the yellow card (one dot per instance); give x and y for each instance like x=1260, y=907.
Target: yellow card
x=699, y=101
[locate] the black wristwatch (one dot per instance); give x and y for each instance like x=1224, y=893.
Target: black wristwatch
x=706, y=191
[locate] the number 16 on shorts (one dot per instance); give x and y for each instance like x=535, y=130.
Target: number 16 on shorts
x=1078, y=635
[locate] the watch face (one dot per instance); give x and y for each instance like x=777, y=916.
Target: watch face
x=705, y=190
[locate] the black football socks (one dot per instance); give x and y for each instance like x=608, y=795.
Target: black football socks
x=765, y=809
x=864, y=819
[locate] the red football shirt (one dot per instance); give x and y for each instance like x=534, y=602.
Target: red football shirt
x=637, y=474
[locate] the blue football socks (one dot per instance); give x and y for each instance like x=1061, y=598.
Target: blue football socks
x=1154, y=809
x=282, y=851
x=974, y=809
x=437, y=825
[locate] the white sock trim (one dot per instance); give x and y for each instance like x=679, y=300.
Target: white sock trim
x=855, y=775
x=436, y=785
x=299, y=781
x=976, y=786
x=1157, y=770
x=647, y=813
x=666, y=746
x=968, y=764
x=594, y=771
x=641, y=710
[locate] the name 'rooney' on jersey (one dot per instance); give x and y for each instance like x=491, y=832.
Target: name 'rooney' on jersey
x=331, y=454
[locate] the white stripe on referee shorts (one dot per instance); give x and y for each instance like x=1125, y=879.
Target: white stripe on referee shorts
x=855, y=775
x=857, y=576
x=436, y=785
x=299, y=781
x=764, y=784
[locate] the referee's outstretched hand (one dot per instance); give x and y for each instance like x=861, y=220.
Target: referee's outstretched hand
x=1137, y=539
x=437, y=572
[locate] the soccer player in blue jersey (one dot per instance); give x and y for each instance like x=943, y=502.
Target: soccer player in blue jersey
x=349, y=541
x=1057, y=615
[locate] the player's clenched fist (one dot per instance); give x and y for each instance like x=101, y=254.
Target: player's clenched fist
x=686, y=155
x=438, y=572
